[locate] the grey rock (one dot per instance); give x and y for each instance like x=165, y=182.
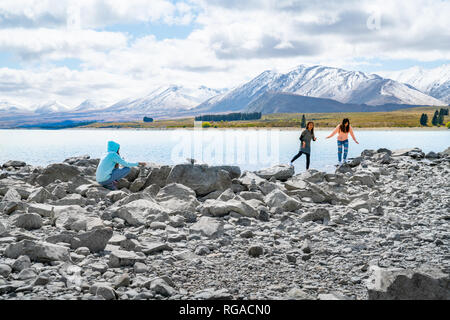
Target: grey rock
x=27, y=274
x=120, y=258
x=12, y=195
x=333, y=295
x=280, y=172
x=41, y=195
x=203, y=179
x=137, y=212
x=208, y=227
x=44, y=210
x=106, y=292
x=122, y=281
x=29, y=221
x=140, y=267
x=202, y=250
x=5, y=270
x=255, y=251
x=96, y=240
x=21, y=263
x=298, y=294
x=213, y=294
x=156, y=247
x=281, y=200
x=425, y=283
x=71, y=199
x=57, y=171
x=320, y=214
x=159, y=286
x=217, y=208
x=177, y=198
x=14, y=163
x=37, y=251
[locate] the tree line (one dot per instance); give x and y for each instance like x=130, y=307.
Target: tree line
x=236, y=116
x=437, y=120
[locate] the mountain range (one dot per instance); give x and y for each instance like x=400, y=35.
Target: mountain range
x=303, y=89
x=434, y=82
x=349, y=87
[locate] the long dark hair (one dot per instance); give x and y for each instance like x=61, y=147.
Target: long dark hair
x=307, y=125
x=343, y=127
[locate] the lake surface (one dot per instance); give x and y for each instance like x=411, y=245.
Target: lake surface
x=250, y=149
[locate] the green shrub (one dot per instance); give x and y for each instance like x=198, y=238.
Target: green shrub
x=206, y=124
x=448, y=125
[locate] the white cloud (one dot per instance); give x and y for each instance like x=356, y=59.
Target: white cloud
x=43, y=43
x=235, y=41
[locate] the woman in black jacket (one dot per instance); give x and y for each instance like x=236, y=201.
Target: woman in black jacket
x=305, y=147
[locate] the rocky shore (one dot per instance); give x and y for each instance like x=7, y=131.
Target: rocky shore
x=378, y=228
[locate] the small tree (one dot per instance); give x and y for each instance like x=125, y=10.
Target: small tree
x=206, y=125
x=448, y=125
x=147, y=119
x=303, y=124
x=434, y=121
x=441, y=119
x=423, y=119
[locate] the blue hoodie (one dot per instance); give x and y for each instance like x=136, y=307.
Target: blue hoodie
x=106, y=166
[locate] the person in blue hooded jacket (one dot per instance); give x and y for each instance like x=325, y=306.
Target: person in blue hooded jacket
x=108, y=172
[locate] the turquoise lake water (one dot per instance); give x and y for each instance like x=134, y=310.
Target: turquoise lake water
x=250, y=149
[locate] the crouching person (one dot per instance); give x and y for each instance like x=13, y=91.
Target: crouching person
x=108, y=172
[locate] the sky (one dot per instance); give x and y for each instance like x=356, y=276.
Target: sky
x=108, y=50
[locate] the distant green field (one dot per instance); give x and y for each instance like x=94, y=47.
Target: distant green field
x=405, y=118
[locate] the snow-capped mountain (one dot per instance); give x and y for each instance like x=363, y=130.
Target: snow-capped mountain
x=166, y=99
x=90, y=105
x=51, y=107
x=344, y=86
x=434, y=82
x=7, y=106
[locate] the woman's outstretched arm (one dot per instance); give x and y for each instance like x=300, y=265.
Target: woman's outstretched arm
x=353, y=136
x=333, y=133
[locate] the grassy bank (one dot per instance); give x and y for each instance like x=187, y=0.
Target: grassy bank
x=406, y=118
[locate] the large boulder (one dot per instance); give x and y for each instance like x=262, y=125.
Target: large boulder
x=279, y=199
x=177, y=198
x=14, y=164
x=217, y=208
x=411, y=152
x=320, y=214
x=280, y=172
x=96, y=240
x=57, y=171
x=12, y=195
x=209, y=227
x=203, y=179
x=157, y=175
x=250, y=179
x=44, y=210
x=425, y=283
x=41, y=195
x=38, y=251
x=65, y=216
x=364, y=178
x=121, y=258
x=139, y=212
x=29, y=221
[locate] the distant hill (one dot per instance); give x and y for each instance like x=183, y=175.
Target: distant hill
x=280, y=102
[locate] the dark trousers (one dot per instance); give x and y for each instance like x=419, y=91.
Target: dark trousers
x=298, y=156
